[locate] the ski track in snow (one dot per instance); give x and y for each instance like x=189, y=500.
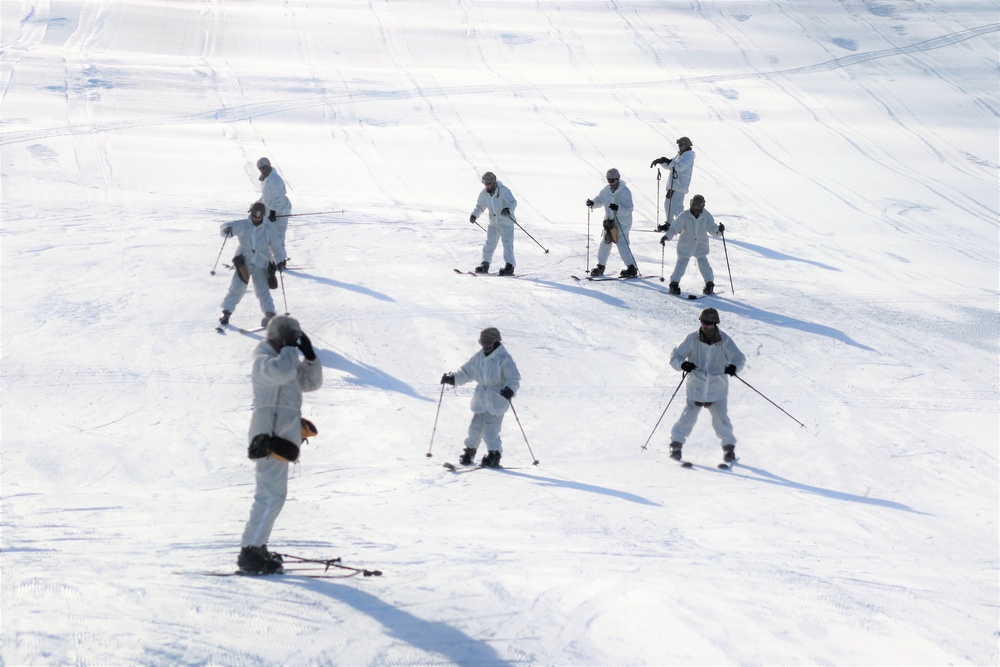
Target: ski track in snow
x=861, y=244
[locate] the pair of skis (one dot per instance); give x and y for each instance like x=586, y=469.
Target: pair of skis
x=222, y=328
x=722, y=466
x=305, y=567
x=473, y=273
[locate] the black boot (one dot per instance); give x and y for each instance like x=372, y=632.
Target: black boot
x=597, y=270
x=483, y=268
x=729, y=454
x=675, y=288
x=252, y=561
x=675, y=450
x=225, y=317
x=507, y=270
x=467, y=456
x=267, y=318
x=629, y=272
x=491, y=460
x=709, y=288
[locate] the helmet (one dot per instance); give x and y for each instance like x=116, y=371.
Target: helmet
x=684, y=141
x=283, y=330
x=489, y=178
x=612, y=173
x=489, y=336
x=709, y=315
x=257, y=209
x=698, y=198
x=263, y=162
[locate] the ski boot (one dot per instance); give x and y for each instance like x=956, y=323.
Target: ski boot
x=491, y=460
x=709, y=288
x=674, y=288
x=728, y=455
x=252, y=560
x=483, y=268
x=597, y=271
x=467, y=456
x=675, y=451
x=225, y=317
x=267, y=318
x=629, y=272
x=507, y=270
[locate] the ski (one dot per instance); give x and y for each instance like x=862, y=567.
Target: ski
x=251, y=331
x=494, y=275
x=288, y=573
x=469, y=468
x=601, y=279
x=692, y=296
x=728, y=466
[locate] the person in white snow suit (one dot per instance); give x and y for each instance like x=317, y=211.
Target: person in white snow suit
x=708, y=357
x=278, y=377
x=259, y=250
x=694, y=227
x=678, y=179
x=495, y=371
x=617, y=201
x=272, y=195
x=498, y=200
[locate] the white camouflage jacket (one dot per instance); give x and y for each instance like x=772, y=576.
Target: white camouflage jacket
x=493, y=373
x=278, y=379
x=708, y=381
x=498, y=201
x=693, y=233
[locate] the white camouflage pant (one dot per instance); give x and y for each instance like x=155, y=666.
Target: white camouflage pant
x=674, y=206
x=682, y=264
x=501, y=230
x=485, y=426
x=720, y=422
x=624, y=251
x=237, y=288
x=268, y=499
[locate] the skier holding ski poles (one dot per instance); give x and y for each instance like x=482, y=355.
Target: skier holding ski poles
x=495, y=371
x=272, y=195
x=617, y=201
x=709, y=357
x=496, y=198
x=259, y=247
x=694, y=227
x=678, y=179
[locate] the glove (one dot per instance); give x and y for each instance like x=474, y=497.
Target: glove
x=722, y=228
x=663, y=240
x=613, y=207
x=304, y=344
x=659, y=160
x=665, y=227
x=590, y=203
x=228, y=231
x=282, y=264
x=506, y=212
x=670, y=193
x=507, y=393
x=272, y=216
x=731, y=369
x=687, y=367
x=448, y=378
x=472, y=219
x=609, y=225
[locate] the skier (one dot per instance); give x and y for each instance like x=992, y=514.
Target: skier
x=678, y=180
x=498, y=378
x=499, y=201
x=694, y=226
x=617, y=201
x=709, y=357
x=272, y=195
x=278, y=377
x=259, y=249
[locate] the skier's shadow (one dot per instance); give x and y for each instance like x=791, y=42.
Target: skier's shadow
x=579, y=291
x=580, y=486
x=336, y=283
x=746, y=310
x=430, y=636
x=760, y=475
x=366, y=375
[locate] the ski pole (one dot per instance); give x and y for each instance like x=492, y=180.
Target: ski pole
x=769, y=400
x=628, y=246
x=589, y=209
x=529, y=235
x=220, y=252
x=535, y=462
x=331, y=562
x=478, y=225
x=295, y=215
x=657, y=200
x=683, y=377
x=281, y=274
x=723, y=234
x=436, y=415
x=663, y=250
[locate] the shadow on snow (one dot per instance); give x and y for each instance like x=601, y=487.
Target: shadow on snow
x=778, y=320
x=774, y=254
x=580, y=486
x=347, y=286
x=367, y=375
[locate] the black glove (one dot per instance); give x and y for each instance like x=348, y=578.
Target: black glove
x=609, y=224
x=282, y=264
x=613, y=207
x=272, y=216
x=472, y=219
x=272, y=279
x=659, y=160
x=722, y=228
x=670, y=193
x=731, y=369
x=663, y=240
x=304, y=344
x=665, y=227
x=507, y=393
x=228, y=231
x=687, y=367
x=590, y=203
x=506, y=212
x=448, y=378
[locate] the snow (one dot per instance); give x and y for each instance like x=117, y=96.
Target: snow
x=851, y=150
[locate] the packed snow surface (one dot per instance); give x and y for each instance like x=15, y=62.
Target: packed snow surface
x=849, y=147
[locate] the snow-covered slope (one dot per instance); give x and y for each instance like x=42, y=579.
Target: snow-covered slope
x=851, y=150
